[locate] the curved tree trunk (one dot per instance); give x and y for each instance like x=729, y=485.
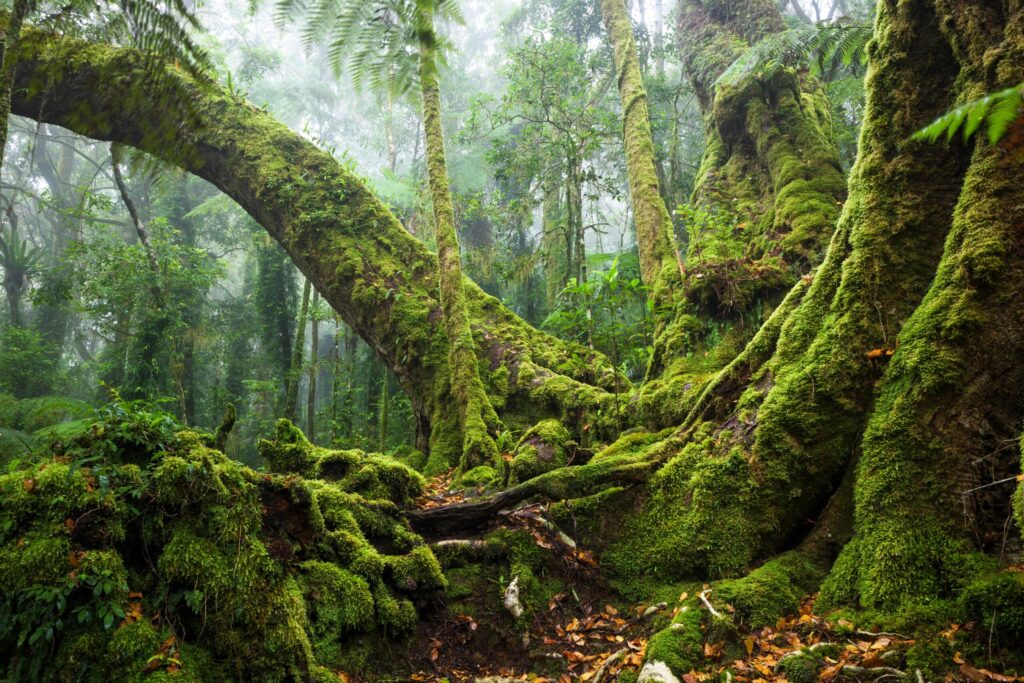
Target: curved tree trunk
x=381, y=280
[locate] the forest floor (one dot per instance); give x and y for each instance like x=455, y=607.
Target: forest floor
x=582, y=636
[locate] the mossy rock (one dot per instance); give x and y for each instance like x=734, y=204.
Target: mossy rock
x=680, y=646
x=281, y=575
x=544, y=447
x=370, y=474
x=801, y=668
x=481, y=476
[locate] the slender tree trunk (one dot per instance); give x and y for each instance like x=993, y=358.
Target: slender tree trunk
x=53, y=319
x=14, y=279
x=384, y=419
x=295, y=370
x=314, y=370
x=477, y=419
x=335, y=379
x=553, y=243
x=140, y=227
x=658, y=266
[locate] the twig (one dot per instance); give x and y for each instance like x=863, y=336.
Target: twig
x=603, y=669
x=880, y=634
x=874, y=672
x=707, y=603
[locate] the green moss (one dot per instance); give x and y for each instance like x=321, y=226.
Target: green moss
x=771, y=591
x=482, y=476
x=544, y=447
x=681, y=645
x=337, y=602
x=371, y=475
x=801, y=668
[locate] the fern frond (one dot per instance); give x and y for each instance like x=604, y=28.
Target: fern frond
x=996, y=110
x=824, y=48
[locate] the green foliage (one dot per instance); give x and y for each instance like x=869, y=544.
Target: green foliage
x=997, y=111
x=376, y=43
x=29, y=365
x=826, y=48
x=609, y=311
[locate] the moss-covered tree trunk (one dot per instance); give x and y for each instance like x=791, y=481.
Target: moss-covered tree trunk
x=654, y=237
x=294, y=376
x=767, y=196
x=477, y=420
x=12, y=44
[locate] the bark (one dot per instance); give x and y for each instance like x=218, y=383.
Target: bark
x=553, y=244
x=291, y=406
x=477, y=420
x=314, y=370
x=655, y=242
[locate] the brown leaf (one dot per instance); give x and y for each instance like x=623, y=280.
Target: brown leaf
x=28, y=484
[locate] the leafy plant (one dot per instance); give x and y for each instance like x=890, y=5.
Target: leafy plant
x=825, y=48
x=608, y=312
x=997, y=111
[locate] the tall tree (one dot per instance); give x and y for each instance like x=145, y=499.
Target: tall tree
x=291, y=408
x=655, y=241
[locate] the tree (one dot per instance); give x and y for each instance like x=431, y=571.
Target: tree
x=658, y=259
x=374, y=38
x=550, y=128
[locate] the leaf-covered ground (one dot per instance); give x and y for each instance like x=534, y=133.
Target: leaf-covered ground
x=582, y=636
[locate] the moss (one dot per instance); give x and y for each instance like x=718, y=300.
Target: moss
x=996, y=602
x=681, y=645
x=771, y=591
x=371, y=475
x=544, y=447
x=801, y=668
x=482, y=476
x=417, y=570
x=337, y=602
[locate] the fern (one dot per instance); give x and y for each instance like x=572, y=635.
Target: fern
x=374, y=41
x=825, y=48
x=997, y=111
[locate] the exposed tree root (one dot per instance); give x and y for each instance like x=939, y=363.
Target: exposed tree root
x=561, y=484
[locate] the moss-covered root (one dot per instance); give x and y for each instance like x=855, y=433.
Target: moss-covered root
x=759, y=599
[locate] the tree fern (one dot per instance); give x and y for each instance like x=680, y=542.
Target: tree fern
x=997, y=111
x=375, y=42
x=825, y=48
